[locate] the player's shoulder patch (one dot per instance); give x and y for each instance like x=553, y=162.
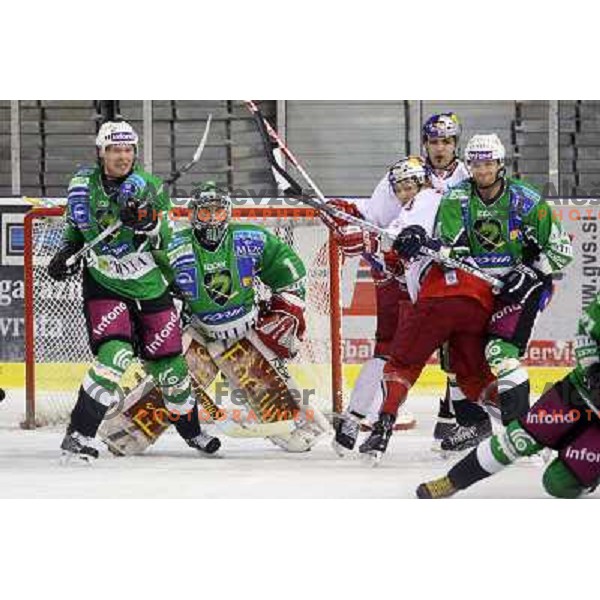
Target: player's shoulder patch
x=527, y=195
x=81, y=179
x=248, y=239
x=460, y=191
x=181, y=233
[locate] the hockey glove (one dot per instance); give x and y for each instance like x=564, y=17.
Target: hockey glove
x=354, y=241
x=520, y=283
x=592, y=382
x=281, y=324
x=58, y=268
x=135, y=202
x=337, y=223
x=410, y=241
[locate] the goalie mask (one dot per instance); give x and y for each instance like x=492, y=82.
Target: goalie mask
x=483, y=148
x=210, y=212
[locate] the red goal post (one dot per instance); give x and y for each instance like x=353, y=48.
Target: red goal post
x=56, y=348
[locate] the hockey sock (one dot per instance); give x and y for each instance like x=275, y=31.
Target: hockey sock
x=188, y=426
x=468, y=413
x=445, y=410
x=493, y=455
x=174, y=383
x=366, y=397
x=514, y=397
x=87, y=414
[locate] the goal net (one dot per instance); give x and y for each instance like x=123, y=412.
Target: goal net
x=56, y=342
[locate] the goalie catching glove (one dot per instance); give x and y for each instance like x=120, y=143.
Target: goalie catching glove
x=58, y=268
x=136, y=207
x=352, y=239
x=281, y=324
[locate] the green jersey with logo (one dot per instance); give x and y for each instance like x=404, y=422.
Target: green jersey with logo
x=498, y=235
x=122, y=263
x=220, y=286
x=587, y=351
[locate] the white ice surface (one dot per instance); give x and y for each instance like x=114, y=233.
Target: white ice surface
x=29, y=468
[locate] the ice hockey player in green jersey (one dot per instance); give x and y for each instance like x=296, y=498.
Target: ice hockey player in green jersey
x=504, y=227
x=216, y=266
x=127, y=305
x=566, y=419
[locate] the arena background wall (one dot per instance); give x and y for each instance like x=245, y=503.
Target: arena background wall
x=346, y=147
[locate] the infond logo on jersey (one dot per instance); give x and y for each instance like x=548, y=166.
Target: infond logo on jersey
x=584, y=454
x=161, y=336
x=109, y=318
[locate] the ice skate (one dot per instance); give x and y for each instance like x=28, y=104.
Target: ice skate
x=347, y=427
x=464, y=437
x=77, y=446
x=437, y=488
x=205, y=443
x=376, y=444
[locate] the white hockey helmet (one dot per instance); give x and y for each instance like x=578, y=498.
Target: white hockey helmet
x=116, y=133
x=411, y=167
x=485, y=147
x=444, y=125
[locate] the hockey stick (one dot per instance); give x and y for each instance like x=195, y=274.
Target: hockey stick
x=110, y=230
x=322, y=206
x=271, y=140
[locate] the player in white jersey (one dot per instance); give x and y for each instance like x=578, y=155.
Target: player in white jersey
x=441, y=134
x=416, y=202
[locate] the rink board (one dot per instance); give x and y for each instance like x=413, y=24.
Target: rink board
x=68, y=376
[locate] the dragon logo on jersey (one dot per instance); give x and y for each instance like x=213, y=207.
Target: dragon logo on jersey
x=219, y=286
x=489, y=233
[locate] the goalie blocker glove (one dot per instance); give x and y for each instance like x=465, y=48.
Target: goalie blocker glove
x=520, y=283
x=58, y=268
x=281, y=325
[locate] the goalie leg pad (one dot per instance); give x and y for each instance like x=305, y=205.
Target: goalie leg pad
x=270, y=392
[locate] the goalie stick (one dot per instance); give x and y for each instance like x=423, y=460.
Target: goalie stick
x=321, y=204
x=110, y=230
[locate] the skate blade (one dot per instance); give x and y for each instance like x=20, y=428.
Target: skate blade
x=68, y=459
x=372, y=458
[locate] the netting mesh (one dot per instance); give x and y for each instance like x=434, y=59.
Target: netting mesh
x=62, y=353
